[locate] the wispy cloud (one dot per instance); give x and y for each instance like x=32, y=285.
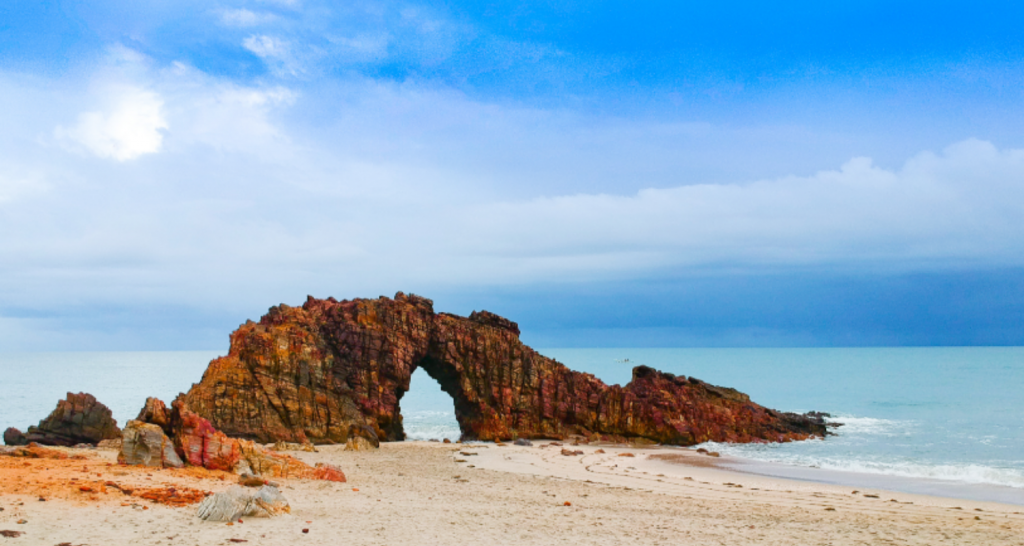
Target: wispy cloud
x=280, y=55
x=242, y=17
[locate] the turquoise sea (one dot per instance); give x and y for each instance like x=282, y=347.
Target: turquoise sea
x=944, y=420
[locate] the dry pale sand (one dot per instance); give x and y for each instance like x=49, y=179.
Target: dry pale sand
x=420, y=493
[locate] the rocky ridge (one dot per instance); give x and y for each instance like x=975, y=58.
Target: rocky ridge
x=318, y=372
x=77, y=419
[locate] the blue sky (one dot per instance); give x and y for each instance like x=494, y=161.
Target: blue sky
x=672, y=174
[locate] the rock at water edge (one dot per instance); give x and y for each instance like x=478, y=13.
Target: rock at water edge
x=78, y=419
x=14, y=437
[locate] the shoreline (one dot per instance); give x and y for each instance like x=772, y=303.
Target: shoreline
x=409, y=493
x=662, y=469
x=982, y=492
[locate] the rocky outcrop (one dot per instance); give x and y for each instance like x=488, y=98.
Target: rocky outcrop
x=199, y=443
x=196, y=442
x=146, y=444
x=15, y=437
x=155, y=412
x=78, y=419
x=312, y=373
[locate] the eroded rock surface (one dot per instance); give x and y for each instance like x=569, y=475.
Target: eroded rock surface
x=78, y=419
x=239, y=502
x=146, y=444
x=312, y=373
x=198, y=443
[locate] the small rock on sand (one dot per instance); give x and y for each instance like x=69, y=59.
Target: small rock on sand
x=523, y=442
x=239, y=501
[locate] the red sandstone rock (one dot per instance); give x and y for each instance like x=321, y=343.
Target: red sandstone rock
x=199, y=443
x=155, y=412
x=78, y=419
x=314, y=372
x=329, y=472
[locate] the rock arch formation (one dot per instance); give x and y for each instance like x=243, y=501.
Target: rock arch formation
x=320, y=371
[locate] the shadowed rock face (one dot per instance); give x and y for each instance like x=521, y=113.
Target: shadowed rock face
x=309, y=373
x=78, y=419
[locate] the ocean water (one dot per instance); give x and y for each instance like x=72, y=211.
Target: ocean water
x=952, y=416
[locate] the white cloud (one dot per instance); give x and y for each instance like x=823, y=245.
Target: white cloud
x=278, y=54
x=242, y=17
x=963, y=206
x=131, y=127
x=366, y=186
x=266, y=46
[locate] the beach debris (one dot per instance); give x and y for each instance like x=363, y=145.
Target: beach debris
x=146, y=444
x=171, y=496
x=571, y=452
x=77, y=419
x=599, y=451
x=237, y=502
x=248, y=480
x=11, y=534
x=22, y=521
x=829, y=509
x=555, y=444
x=523, y=442
x=870, y=496
x=460, y=460
x=567, y=503
x=110, y=443
x=293, y=446
x=305, y=530
x=626, y=454
x=35, y=451
x=328, y=472
x=467, y=453
x=701, y=450
x=237, y=540
x=446, y=441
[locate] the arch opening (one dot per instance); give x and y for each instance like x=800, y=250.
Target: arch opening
x=427, y=411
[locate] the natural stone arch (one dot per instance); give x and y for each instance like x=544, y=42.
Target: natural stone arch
x=313, y=372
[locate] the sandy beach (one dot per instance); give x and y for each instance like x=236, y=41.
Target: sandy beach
x=433, y=493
